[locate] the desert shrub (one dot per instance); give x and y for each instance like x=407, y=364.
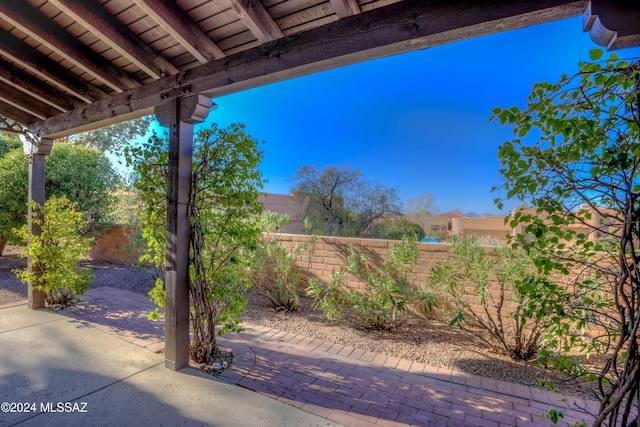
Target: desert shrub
x=397, y=229
x=519, y=312
x=56, y=252
x=388, y=291
x=273, y=271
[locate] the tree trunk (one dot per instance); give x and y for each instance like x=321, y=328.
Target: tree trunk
x=2, y=245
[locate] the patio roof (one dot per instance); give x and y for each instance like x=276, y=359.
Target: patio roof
x=73, y=65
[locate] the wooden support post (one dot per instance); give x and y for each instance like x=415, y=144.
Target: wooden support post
x=179, y=115
x=37, y=155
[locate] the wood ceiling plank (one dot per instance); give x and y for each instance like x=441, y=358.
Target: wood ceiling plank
x=41, y=28
x=181, y=28
x=345, y=8
x=400, y=27
x=257, y=19
x=311, y=17
x=38, y=89
x=281, y=9
x=17, y=115
x=116, y=35
x=238, y=42
x=28, y=103
x=49, y=70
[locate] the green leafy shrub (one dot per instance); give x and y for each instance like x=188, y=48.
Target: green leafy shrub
x=388, y=291
x=397, y=229
x=223, y=208
x=574, y=158
x=56, y=252
x=83, y=175
x=520, y=311
x=273, y=271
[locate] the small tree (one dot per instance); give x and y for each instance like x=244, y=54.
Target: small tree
x=575, y=158
x=223, y=212
x=340, y=201
x=421, y=209
x=83, y=175
x=56, y=252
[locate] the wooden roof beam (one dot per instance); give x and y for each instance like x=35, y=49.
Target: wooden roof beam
x=36, y=88
x=95, y=18
x=257, y=19
x=47, y=69
x=16, y=114
x=180, y=26
x=32, y=22
x=345, y=8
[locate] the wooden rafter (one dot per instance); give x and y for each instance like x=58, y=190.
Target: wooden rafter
x=47, y=69
x=31, y=105
x=257, y=19
x=15, y=114
x=174, y=20
x=94, y=18
x=32, y=22
x=37, y=88
x=345, y=8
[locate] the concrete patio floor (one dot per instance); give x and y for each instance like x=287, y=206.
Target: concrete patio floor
x=104, y=352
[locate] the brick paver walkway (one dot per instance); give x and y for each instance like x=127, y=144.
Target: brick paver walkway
x=350, y=386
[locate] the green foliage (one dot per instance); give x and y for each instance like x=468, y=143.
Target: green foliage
x=14, y=173
x=521, y=311
x=552, y=415
x=329, y=298
x=114, y=137
x=388, y=291
x=223, y=210
x=83, y=175
x=56, y=252
x=8, y=143
x=575, y=159
x=273, y=271
x=397, y=229
x=125, y=206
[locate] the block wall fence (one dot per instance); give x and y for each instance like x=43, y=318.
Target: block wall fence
x=329, y=252
x=113, y=246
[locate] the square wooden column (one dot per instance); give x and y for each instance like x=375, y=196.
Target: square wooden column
x=179, y=115
x=37, y=156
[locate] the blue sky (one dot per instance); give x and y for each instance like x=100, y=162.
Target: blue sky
x=417, y=122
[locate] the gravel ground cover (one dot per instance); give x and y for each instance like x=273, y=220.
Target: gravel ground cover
x=419, y=339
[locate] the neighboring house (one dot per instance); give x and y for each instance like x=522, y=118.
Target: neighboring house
x=484, y=226
x=441, y=224
x=494, y=226
x=286, y=205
